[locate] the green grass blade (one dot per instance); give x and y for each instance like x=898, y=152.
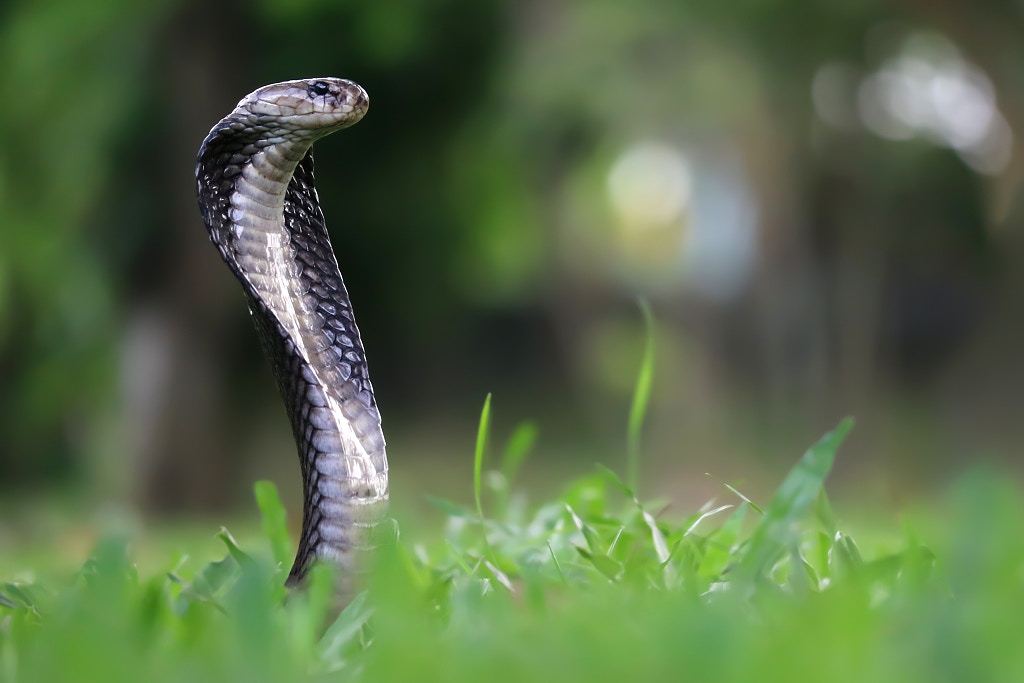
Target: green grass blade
x=344, y=631
x=657, y=537
x=641, y=396
x=612, y=477
x=519, y=446
x=275, y=521
x=801, y=488
x=558, y=565
x=236, y=552
x=823, y=511
x=739, y=494
x=710, y=513
x=720, y=548
x=478, y=457
x=778, y=532
x=592, y=538
x=18, y=596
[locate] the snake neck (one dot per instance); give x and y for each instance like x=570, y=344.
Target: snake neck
x=262, y=210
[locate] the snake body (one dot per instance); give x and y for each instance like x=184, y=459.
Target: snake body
x=258, y=200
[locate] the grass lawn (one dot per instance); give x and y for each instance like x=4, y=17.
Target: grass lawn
x=595, y=585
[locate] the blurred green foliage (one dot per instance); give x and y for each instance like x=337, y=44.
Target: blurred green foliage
x=70, y=82
x=593, y=585
x=819, y=263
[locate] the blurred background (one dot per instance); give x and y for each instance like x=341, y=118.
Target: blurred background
x=820, y=200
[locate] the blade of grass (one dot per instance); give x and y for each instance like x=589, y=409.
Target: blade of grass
x=343, y=631
x=641, y=396
x=823, y=511
x=275, y=521
x=709, y=513
x=590, y=536
x=558, y=566
x=20, y=596
x=500, y=576
x=721, y=544
x=237, y=554
x=519, y=446
x=617, y=482
x=478, y=458
x=753, y=506
x=778, y=532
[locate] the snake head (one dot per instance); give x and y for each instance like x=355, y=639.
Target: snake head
x=310, y=107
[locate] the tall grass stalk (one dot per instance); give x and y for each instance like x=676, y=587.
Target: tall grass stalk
x=641, y=397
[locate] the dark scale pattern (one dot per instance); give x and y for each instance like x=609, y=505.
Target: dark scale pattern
x=305, y=223
x=231, y=145
x=220, y=162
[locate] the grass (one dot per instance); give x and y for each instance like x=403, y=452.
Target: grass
x=597, y=584
x=641, y=395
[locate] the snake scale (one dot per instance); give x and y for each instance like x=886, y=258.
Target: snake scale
x=260, y=206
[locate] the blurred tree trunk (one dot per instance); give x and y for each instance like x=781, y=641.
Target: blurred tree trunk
x=185, y=454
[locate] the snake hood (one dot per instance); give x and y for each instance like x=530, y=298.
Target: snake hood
x=258, y=200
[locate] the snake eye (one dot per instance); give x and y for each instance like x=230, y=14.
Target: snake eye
x=319, y=88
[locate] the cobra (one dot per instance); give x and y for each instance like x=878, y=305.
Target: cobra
x=258, y=200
